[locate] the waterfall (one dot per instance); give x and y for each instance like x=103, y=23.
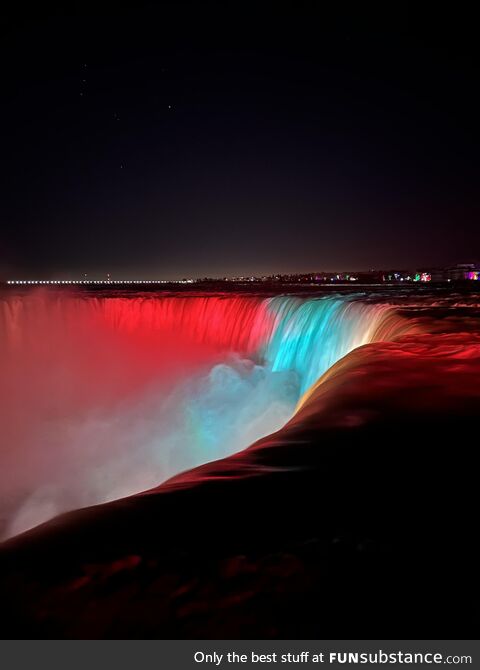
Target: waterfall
x=306, y=335
x=105, y=396
x=310, y=335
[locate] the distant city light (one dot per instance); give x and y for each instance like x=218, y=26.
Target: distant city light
x=458, y=272
x=55, y=282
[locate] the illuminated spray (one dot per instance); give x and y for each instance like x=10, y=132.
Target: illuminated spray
x=103, y=397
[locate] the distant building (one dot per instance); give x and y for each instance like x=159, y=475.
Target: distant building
x=462, y=272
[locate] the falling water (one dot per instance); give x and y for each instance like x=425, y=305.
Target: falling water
x=106, y=396
x=309, y=336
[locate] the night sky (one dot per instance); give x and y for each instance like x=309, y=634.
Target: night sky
x=164, y=140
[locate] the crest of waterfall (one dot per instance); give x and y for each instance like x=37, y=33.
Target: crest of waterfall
x=310, y=335
x=304, y=335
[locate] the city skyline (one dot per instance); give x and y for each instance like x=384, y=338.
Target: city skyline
x=457, y=272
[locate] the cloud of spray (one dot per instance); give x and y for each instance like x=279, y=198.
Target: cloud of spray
x=143, y=441
x=90, y=413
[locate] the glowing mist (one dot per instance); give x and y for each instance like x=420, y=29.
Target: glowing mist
x=103, y=397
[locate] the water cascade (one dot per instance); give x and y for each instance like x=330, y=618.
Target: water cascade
x=106, y=396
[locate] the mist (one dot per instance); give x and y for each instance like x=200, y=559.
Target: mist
x=90, y=412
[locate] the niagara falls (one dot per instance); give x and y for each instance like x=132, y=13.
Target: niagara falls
x=108, y=396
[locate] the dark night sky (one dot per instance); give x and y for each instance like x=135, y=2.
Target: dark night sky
x=175, y=139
